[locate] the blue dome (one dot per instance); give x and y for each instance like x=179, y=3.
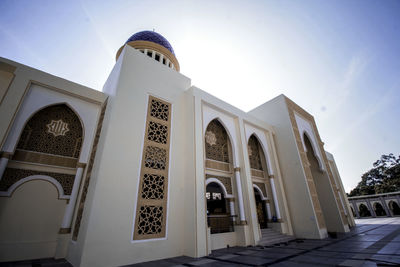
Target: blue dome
x=151, y=37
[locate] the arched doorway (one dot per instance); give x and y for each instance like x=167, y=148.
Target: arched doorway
x=218, y=215
x=48, y=146
x=259, y=171
x=330, y=214
x=379, y=210
x=218, y=163
x=394, y=207
x=364, y=211
x=261, y=211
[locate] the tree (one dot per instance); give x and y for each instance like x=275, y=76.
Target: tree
x=384, y=177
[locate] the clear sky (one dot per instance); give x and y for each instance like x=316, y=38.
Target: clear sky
x=339, y=60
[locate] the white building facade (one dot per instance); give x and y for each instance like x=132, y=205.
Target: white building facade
x=153, y=167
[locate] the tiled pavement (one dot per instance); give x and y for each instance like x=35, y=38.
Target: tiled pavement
x=374, y=242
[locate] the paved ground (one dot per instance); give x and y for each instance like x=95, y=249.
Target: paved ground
x=374, y=242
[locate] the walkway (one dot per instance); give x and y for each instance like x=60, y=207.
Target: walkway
x=374, y=242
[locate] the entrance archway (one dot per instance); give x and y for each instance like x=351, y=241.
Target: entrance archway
x=364, y=211
x=379, y=210
x=394, y=207
x=218, y=215
x=323, y=188
x=261, y=212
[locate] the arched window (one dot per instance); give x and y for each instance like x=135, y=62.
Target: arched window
x=52, y=136
x=54, y=130
x=217, y=144
x=256, y=154
x=364, y=211
x=379, y=211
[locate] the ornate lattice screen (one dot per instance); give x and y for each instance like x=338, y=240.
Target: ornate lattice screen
x=151, y=210
x=217, y=142
x=254, y=153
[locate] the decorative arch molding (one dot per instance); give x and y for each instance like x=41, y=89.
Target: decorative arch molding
x=305, y=127
x=392, y=200
x=362, y=203
x=260, y=136
x=39, y=97
x=49, y=179
x=228, y=122
x=313, y=146
x=260, y=192
x=215, y=180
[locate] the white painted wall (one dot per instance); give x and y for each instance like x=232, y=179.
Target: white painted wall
x=29, y=221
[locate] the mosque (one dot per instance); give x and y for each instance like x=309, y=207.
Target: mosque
x=153, y=167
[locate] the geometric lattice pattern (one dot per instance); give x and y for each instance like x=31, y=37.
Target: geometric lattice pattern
x=155, y=158
x=11, y=176
x=226, y=181
x=217, y=142
x=159, y=110
x=53, y=130
x=157, y=132
x=150, y=220
x=153, y=186
x=254, y=153
x=151, y=207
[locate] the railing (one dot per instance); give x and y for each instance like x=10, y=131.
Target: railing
x=221, y=223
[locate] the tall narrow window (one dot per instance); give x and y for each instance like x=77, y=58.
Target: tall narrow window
x=151, y=209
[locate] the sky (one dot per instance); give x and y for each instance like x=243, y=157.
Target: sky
x=339, y=60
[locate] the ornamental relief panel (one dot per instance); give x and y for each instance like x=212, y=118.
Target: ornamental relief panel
x=157, y=132
x=153, y=186
x=159, y=110
x=150, y=220
x=155, y=158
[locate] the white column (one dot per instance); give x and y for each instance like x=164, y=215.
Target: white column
x=69, y=211
x=268, y=207
x=274, y=196
x=240, y=195
x=232, y=208
x=4, y=157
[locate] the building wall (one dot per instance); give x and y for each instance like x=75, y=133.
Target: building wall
x=31, y=90
x=304, y=219
x=29, y=221
x=108, y=238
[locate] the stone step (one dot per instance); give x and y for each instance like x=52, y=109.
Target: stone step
x=270, y=237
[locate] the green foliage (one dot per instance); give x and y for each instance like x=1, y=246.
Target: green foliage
x=384, y=177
